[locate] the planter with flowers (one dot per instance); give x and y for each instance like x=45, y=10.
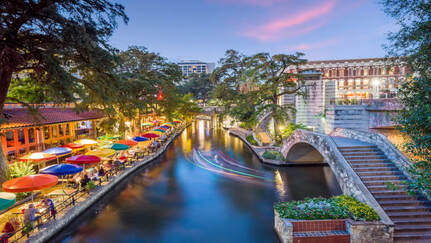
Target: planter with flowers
x=336, y=219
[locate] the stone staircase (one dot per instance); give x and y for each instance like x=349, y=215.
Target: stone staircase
x=410, y=214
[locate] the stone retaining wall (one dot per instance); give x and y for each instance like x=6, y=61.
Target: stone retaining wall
x=55, y=226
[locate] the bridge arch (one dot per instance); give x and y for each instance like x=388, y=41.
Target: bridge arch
x=304, y=153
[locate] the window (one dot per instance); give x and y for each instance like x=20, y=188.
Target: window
x=365, y=71
x=21, y=137
x=60, y=130
x=31, y=137
x=341, y=72
x=67, y=129
x=351, y=83
x=54, y=131
x=46, y=132
x=9, y=139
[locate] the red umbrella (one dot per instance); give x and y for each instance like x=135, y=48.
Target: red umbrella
x=30, y=183
x=150, y=135
x=127, y=142
x=177, y=121
x=73, y=145
x=83, y=159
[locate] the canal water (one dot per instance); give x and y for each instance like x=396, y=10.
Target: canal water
x=207, y=187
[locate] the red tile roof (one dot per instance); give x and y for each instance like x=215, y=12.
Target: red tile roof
x=21, y=117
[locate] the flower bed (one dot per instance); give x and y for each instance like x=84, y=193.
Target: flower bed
x=251, y=140
x=340, y=207
x=272, y=154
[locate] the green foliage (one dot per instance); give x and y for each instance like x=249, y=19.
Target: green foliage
x=248, y=86
x=412, y=41
x=28, y=90
x=251, y=140
x=340, y=207
x=272, y=154
x=90, y=186
x=19, y=169
x=199, y=85
x=290, y=128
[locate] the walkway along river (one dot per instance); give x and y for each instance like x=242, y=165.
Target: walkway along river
x=207, y=187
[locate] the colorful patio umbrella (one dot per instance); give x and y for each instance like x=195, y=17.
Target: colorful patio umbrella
x=160, y=130
x=164, y=128
x=83, y=159
x=170, y=123
x=140, y=139
x=119, y=146
x=155, y=121
x=73, y=145
x=61, y=169
x=156, y=132
x=86, y=141
x=37, y=157
x=127, y=142
x=7, y=199
x=146, y=124
x=57, y=151
x=176, y=121
x=30, y=183
x=150, y=135
x=101, y=152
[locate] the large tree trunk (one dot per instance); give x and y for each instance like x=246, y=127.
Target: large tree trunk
x=5, y=78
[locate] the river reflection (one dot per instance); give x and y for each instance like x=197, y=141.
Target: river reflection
x=179, y=199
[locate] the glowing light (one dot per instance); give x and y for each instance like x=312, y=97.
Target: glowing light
x=376, y=82
x=128, y=123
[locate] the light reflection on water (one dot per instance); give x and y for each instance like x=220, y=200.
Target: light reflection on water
x=179, y=199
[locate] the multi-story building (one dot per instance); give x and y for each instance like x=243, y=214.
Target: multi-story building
x=53, y=126
x=194, y=66
x=350, y=82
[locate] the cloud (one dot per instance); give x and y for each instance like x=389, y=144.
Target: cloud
x=260, y=3
x=315, y=45
x=277, y=28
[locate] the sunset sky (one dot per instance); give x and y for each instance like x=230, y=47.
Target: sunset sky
x=204, y=29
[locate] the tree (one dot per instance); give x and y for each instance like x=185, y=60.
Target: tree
x=61, y=45
x=249, y=86
x=199, y=85
x=413, y=41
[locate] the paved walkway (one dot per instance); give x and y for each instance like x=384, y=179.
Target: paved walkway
x=348, y=142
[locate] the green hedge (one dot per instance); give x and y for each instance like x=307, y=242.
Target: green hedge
x=272, y=154
x=340, y=207
x=251, y=140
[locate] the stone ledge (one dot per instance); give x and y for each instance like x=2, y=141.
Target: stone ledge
x=56, y=226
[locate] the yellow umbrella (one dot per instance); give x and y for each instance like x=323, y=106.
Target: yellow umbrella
x=86, y=141
x=101, y=152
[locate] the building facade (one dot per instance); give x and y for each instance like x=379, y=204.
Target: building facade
x=53, y=126
x=195, y=66
x=338, y=93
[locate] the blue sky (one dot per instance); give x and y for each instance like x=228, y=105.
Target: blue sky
x=204, y=29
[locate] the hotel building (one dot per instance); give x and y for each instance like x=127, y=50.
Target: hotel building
x=194, y=66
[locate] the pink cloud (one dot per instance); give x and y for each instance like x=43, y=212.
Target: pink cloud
x=261, y=3
x=274, y=29
x=315, y=45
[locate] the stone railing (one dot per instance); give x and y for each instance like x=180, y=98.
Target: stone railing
x=348, y=180
x=398, y=158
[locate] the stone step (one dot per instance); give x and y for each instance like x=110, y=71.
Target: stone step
x=356, y=161
x=406, y=228
x=396, y=197
x=418, y=208
x=411, y=221
x=417, y=214
x=404, y=203
x=379, y=173
x=382, y=182
x=366, y=157
x=383, y=177
x=380, y=165
x=385, y=187
x=417, y=236
x=388, y=192
x=344, y=148
x=367, y=168
x=362, y=153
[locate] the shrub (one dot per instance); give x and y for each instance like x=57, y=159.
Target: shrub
x=340, y=207
x=251, y=140
x=272, y=154
x=19, y=169
x=90, y=186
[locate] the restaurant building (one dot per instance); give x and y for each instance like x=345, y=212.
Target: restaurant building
x=23, y=132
